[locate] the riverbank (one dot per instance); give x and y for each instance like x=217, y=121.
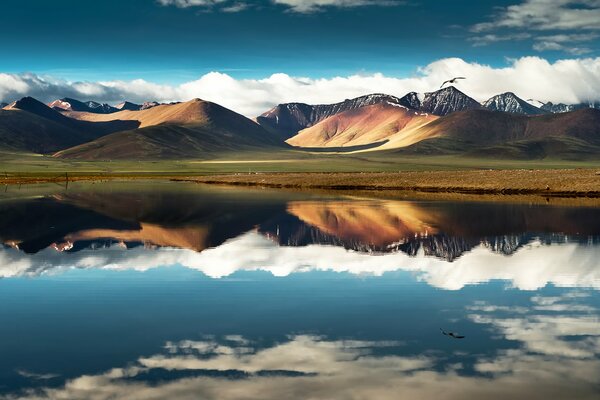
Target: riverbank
x=555, y=183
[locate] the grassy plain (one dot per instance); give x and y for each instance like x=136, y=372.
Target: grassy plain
x=298, y=169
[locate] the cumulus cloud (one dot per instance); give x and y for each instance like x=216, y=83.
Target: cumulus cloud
x=546, y=15
x=566, y=81
x=535, y=16
x=564, y=42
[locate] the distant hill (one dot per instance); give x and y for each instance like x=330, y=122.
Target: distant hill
x=126, y=105
x=176, y=113
x=498, y=134
x=149, y=104
x=129, y=106
x=69, y=104
x=30, y=125
x=511, y=103
x=366, y=125
x=289, y=119
x=446, y=101
x=193, y=129
x=562, y=108
x=442, y=122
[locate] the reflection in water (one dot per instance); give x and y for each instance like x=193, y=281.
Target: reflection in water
x=531, y=268
x=376, y=223
x=200, y=219
x=543, y=364
x=162, y=291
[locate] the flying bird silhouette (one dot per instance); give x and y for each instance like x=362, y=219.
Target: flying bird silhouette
x=452, y=81
x=452, y=334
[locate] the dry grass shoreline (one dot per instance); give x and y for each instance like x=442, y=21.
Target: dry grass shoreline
x=554, y=183
x=547, y=182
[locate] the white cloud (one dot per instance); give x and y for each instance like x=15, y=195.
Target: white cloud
x=297, y=6
x=565, y=42
x=190, y=3
x=554, y=46
x=490, y=38
x=310, y=6
x=546, y=15
x=568, y=81
x=535, y=16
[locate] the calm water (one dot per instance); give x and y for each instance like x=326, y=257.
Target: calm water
x=168, y=291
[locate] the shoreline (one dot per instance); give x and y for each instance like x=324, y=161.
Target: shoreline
x=545, y=183
x=565, y=183
x=457, y=190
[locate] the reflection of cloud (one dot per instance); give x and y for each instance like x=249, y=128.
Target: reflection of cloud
x=530, y=268
x=305, y=354
x=332, y=370
x=545, y=333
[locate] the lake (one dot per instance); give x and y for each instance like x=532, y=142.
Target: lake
x=161, y=290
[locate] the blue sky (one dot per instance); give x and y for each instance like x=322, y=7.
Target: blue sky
x=251, y=55
x=150, y=39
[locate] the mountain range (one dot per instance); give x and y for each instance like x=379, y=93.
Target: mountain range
x=446, y=121
x=288, y=119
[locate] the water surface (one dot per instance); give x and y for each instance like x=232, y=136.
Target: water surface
x=164, y=290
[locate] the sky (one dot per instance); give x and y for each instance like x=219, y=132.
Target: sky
x=251, y=55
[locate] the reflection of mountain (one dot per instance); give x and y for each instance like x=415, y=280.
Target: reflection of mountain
x=199, y=219
x=194, y=238
x=377, y=223
x=75, y=220
x=443, y=230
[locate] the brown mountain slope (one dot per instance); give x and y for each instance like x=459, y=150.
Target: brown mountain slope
x=510, y=135
x=29, y=125
x=187, y=130
x=489, y=127
x=179, y=113
x=365, y=125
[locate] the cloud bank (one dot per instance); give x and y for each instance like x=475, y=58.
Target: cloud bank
x=532, y=17
x=567, y=81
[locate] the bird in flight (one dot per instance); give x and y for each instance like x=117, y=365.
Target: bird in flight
x=452, y=334
x=452, y=81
